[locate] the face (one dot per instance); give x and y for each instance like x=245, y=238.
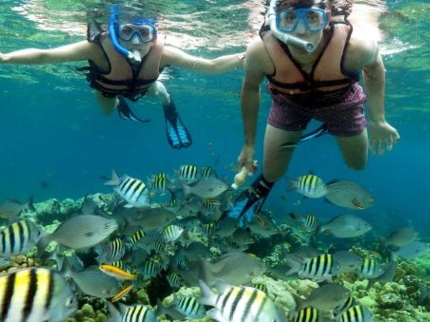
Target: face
x=136, y=37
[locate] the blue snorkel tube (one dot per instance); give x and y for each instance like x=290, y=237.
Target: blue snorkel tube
x=112, y=28
x=282, y=36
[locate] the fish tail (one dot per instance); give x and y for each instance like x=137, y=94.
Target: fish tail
x=114, y=180
x=292, y=184
x=43, y=242
x=30, y=204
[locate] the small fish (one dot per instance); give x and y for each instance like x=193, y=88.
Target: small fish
x=172, y=233
x=174, y=280
x=250, y=304
x=208, y=172
x=189, y=174
x=117, y=272
x=306, y=314
x=309, y=186
x=132, y=190
x=349, y=302
x=184, y=308
x=371, y=268
x=150, y=268
x=348, y=194
x=206, y=187
x=349, y=262
x=346, y=226
x=138, y=235
x=386, y=277
x=111, y=251
x=135, y=313
x=19, y=237
x=10, y=209
x=356, y=313
x=35, y=294
x=122, y=293
x=310, y=223
x=321, y=267
x=261, y=287
x=82, y=231
x=160, y=182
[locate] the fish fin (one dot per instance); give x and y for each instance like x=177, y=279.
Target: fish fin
x=357, y=204
x=208, y=296
x=128, y=205
x=43, y=242
x=114, y=180
x=292, y=184
x=114, y=314
x=216, y=315
x=30, y=204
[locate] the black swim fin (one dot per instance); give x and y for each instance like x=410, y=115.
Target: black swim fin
x=178, y=135
x=126, y=113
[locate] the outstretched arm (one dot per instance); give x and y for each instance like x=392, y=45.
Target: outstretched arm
x=79, y=51
x=176, y=57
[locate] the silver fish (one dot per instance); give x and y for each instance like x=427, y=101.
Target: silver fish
x=348, y=194
x=206, y=187
x=401, y=237
x=322, y=267
x=35, y=294
x=412, y=250
x=82, y=231
x=386, y=277
x=146, y=218
x=10, y=209
x=250, y=304
x=346, y=226
x=349, y=262
x=326, y=297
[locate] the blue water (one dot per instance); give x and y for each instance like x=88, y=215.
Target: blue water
x=55, y=142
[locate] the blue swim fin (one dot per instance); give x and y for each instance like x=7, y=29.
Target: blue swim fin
x=178, y=135
x=126, y=113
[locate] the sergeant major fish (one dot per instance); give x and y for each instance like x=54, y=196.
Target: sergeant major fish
x=238, y=303
x=19, y=237
x=35, y=294
x=133, y=313
x=309, y=186
x=132, y=190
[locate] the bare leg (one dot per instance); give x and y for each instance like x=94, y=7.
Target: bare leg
x=279, y=146
x=107, y=104
x=159, y=90
x=354, y=150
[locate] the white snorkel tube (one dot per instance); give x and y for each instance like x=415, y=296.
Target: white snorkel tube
x=284, y=37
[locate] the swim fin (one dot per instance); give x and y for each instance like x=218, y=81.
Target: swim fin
x=178, y=135
x=319, y=131
x=126, y=113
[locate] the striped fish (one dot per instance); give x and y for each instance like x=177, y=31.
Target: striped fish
x=238, y=303
x=309, y=185
x=208, y=172
x=189, y=174
x=112, y=251
x=172, y=233
x=356, y=313
x=35, y=295
x=174, y=280
x=321, y=267
x=19, y=237
x=371, y=268
x=138, y=235
x=307, y=314
x=160, y=182
x=135, y=313
x=132, y=190
x=310, y=223
x=188, y=306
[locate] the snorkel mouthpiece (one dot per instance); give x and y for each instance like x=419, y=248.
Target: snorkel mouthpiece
x=134, y=57
x=284, y=37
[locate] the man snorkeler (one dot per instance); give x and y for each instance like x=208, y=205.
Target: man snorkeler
x=125, y=62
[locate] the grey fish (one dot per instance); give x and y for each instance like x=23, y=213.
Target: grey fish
x=10, y=209
x=250, y=304
x=349, y=262
x=401, y=237
x=348, y=194
x=82, y=231
x=412, y=250
x=346, y=226
x=206, y=187
x=233, y=268
x=322, y=267
x=134, y=313
x=147, y=218
x=326, y=297
x=35, y=294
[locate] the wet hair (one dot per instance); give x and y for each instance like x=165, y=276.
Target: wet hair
x=337, y=7
x=300, y=4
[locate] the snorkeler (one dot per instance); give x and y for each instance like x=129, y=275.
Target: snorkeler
x=313, y=65
x=125, y=62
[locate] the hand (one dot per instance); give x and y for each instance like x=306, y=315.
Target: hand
x=247, y=155
x=382, y=137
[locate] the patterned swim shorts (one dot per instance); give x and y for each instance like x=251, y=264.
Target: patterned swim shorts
x=343, y=117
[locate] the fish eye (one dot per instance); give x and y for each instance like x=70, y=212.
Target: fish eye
x=71, y=301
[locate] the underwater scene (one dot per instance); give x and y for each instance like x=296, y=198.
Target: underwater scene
x=143, y=204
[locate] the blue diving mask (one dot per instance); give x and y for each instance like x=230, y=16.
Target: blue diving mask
x=315, y=19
